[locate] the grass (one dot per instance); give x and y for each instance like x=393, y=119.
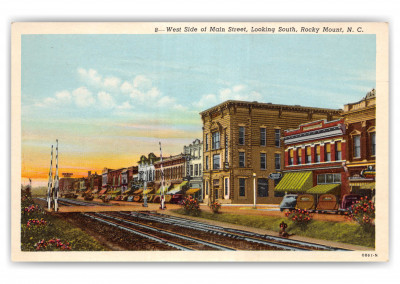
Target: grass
x=350, y=233
x=55, y=228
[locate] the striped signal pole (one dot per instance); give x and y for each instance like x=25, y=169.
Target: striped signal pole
x=56, y=181
x=50, y=183
x=162, y=181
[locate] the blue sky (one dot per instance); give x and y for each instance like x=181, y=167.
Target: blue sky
x=97, y=93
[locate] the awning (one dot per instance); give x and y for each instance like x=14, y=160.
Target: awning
x=147, y=191
x=192, y=190
x=295, y=182
x=363, y=185
x=333, y=188
x=159, y=190
x=177, y=187
x=102, y=191
x=140, y=190
x=95, y=191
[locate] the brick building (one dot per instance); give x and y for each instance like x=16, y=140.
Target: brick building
x=360, y=120
x=315, y=156
x=175, y=172
x=242, y=145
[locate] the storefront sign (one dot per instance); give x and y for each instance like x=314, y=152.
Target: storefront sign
x=275, y=176
x=368, y=173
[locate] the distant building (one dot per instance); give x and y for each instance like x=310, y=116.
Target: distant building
x=360, y=120
x=194, y=166
x=243, y=145
x=146, y=170
x=105, y=181
x=127, y=177
x=175, y=172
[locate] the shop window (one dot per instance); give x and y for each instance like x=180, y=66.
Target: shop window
x=299, y=156
x=308, y=155
x=328, y=178
x=277, y=161
x=317, y=154
x=241, y=135
x=241, y=160
x=263, y=161
x=263, y=136
x=277, y=137
x=327, y=152
x=373, y=144
x=262, y=187
x=215, y=140
x=357, y=147
x=216, y=162
x=338, y=151
x=242, y=187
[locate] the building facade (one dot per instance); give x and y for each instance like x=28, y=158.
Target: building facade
x=194, y=166
x=242, y=146
x=315, y=157
x=360, y=120
x=146, y=170
x=175, y=172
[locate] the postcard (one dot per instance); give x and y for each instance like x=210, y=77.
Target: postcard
x=200, y=142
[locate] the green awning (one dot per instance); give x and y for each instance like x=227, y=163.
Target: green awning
x=296, y=182
x=333, y=188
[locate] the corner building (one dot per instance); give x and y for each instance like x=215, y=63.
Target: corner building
x=242, y=146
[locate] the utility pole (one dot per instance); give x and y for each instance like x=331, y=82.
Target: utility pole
x=56, y=181
x=162, y=181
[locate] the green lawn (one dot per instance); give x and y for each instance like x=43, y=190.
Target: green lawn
x=349, y=233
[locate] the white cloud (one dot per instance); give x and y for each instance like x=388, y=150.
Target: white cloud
x=50, y=101
x=90, y=76
x=105, y=100
x=142, y=82
x=63, y=96
x=126, y=87
x=83, y=97
x=111, y=82
x=125, y=105
x=237, y=92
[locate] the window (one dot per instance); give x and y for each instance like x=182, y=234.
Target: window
x=191, y=170
x=277, y=137
x=328, y=178
x=207, y=165
x=290, y=159
x=299, y=156
x=196, y=170
x=241, y=160
x=338, y=151
x=241, y=135
x=327, y=152
x=216, y=187
x=357, y=147
x=226, y=148
x=308, y=155
x=215, y=140
x=206, y=142
x=277, y=161
x=373, y=144
x=262, y=187
x=263, y=137
x=206, y=187
x=199, y=169
x=317, y=154
x=216, y=162
x=263, y=161
x=242, y=187
x=226, y=187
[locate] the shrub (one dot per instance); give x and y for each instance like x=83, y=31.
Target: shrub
x=363, y=212
x=299, y=217
x=191, y=206
x=215, y=206
x=52, y=244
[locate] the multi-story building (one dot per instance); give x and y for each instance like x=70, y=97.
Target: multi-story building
x=315, y=156
x=115, y=178
x=127, y=177
x=175, y=170
x=194, y=157
x=105, y=181
x=146, y=170
x=242, y=147
x=360, y=120
x=66, y=184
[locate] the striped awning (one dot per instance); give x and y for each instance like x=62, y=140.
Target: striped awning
x=140, y=190
x=103, y=191
x=295, y=182
x=192, y=190
x=147, y=191
x=177, y=187
x=333, y=188
x=364, y=185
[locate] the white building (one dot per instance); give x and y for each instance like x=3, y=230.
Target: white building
x=194, y=168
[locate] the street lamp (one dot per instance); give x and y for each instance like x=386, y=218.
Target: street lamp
x=254, y=190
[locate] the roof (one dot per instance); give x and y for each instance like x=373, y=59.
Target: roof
x=256, y=104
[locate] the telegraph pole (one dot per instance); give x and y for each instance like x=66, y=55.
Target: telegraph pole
x=162, y=181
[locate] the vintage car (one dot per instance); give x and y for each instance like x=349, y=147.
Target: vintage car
x=347, y=201
x=327, y=202
x=306, y=202
x=176, y=198
x=288, y=202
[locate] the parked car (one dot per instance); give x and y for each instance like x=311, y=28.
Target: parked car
x=348, y=200
x=305, y=202
x=288, y=202
x=176, y=198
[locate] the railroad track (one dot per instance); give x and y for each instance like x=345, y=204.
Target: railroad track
x=281, y=243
